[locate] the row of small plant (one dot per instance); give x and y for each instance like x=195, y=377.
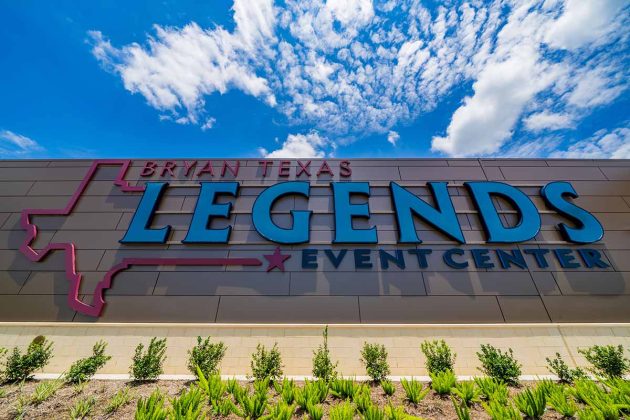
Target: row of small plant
x=212, y=396
x=586, y=399
x=146, y=365
x=607, y=362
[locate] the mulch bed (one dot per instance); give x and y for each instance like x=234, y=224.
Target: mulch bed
x=58, y=406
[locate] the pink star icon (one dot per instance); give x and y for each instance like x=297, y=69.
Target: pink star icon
x=276, y=260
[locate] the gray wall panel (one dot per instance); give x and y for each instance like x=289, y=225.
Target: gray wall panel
x=37, y=291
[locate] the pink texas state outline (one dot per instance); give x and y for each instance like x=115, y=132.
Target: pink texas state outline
x=74, y=277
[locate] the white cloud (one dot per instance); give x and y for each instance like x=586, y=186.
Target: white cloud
x=584, y=21
x=208, y=124
x=356, y=12
x=181, y=66
x=546, y=120
x=538, y=148
x=351, y=68
x=17, y=145
x=604, y=144
x=594, y=87
x=310, y=145
x=393, y=137
x=486, y=119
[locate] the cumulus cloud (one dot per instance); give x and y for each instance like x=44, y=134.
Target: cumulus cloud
x=514, y=76
x=486, y=119
x=604, y=144
x=546, y=120
x=310, y=145
x=179, y=67
x=393, y=137
x=584, y=21
x=16, y=145
x=352, y=68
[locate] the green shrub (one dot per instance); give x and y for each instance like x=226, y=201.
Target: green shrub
x=442, y=382
x=281, y=411
x=547, y=386
x=317, y=390
x=147, y=366
x=45, y=390
x=492, y=389
x=187, y=406
x=590, y=413
x=151, y=408
x=439, y=356
x=82, y=408
x=374, y=413
x=583, y=388
x=619, y=390
x=118, y=400
x=607, y=361
x=374, y=358
x=315, y=411
x=344, y=388
x=235, y=389
x=388, y=387
x=266, y=363
x=562, y=402
x=362, y=399
x=252, y=406
x=531, y=402
x=323, y=367
x=213, y=387
x=19, y=409
x=20, y=367
x=395, y=413
x=342, y=411
x=564, y=373
x=499, y=365
x=224, y=407
x=261, y=385
x=78, y=388
x=207, y=356
x=501, y=411
x=303, y=398
x=596, y=397
x=413, y=390
x=467, y=392
x=83, y=369
x=286, y=390
x=313, y=392
x=461, y=409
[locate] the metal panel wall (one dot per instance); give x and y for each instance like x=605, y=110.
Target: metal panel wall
x=32, y=291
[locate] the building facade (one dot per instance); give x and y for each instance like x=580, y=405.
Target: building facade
x=528, y=254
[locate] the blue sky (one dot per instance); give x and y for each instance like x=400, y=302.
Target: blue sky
x=307, y=78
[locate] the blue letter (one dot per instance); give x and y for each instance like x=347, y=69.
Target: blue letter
x=529, y=223
x=448, y=258
x=206, y=209
x=261, y=214
x=309, y=258
x=587, y=230
x=139, y=230
x=344, y=212
x=406, y=204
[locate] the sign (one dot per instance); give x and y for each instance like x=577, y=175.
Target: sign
x=355, y=231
